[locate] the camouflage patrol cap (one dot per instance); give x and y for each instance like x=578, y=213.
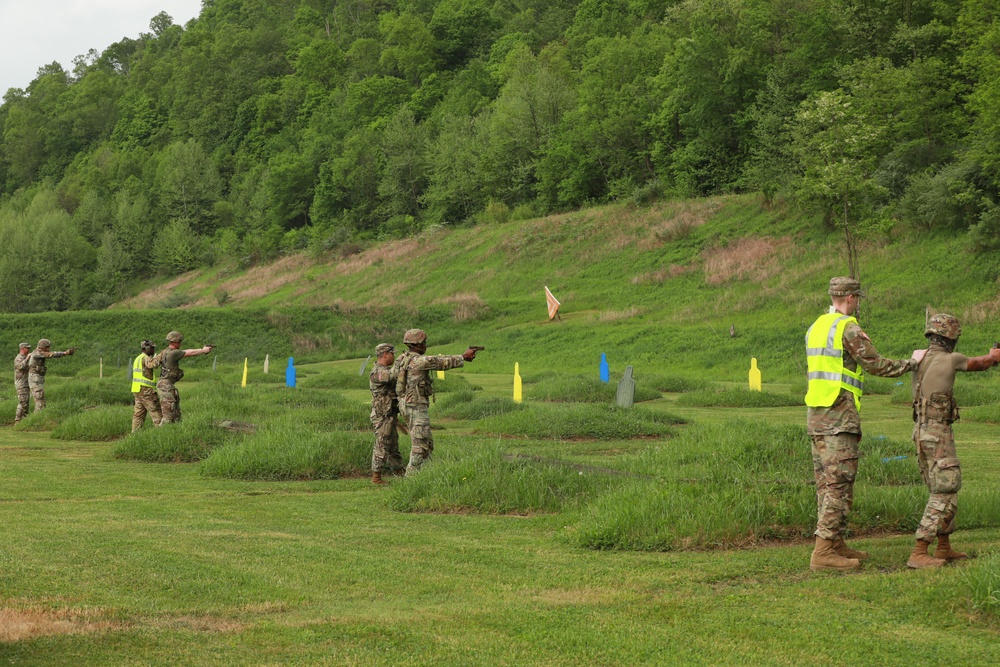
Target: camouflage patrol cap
x=845, y=286
x=23, y=345
x=382, y=348
x=45, y=342
x=175, y=337
x=415, y=337
x=944, y=325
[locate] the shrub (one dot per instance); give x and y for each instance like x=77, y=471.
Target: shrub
x=584, y=389
x=468, y=405
x=601, y=422
x=647, y=194
x=190, y=440
x=487, y=481
x=289, y=451
x=733, y=397
x=99, y=424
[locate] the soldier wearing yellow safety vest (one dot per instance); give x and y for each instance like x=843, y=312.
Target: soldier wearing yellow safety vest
x=838, y=354
x=144, y=387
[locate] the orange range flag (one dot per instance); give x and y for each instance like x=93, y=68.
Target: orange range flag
x=553, y=305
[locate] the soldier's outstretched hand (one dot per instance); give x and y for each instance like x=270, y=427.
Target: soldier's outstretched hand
x=70, y=351
x=469, y=354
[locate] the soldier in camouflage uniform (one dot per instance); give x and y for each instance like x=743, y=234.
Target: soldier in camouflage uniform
x=835, y=347
x=414, y=388
x=21, y=381
x=382, y=381
x=169, y=362
x=144, y=387
x=934, y=411
x=37, y=370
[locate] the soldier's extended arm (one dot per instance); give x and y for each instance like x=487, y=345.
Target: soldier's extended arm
x=862, y=350
x=196, y=351
x=440, y=362
x=984, y=362
x=56, y=355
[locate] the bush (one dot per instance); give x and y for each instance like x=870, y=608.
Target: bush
x=738, y=482
x=190, y=440
x=289, y=451
x=468, y=405
x=733, y=397
x=601, y=422
x=584, y=389
x=99, y=424
x=647, y=194
x=487, y=481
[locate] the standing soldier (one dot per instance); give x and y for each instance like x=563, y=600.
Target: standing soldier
x=382, y=381
x=934, y=411
x=144, y=387
x=415, y=386
x=21, y=381
x=835, y=347
x=37, y=370
x=169, y=361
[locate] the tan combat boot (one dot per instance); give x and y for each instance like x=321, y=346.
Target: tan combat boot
x=825, y=558
x=945, y=552
x=919, y=557
x=377, y=478
x=840, y=546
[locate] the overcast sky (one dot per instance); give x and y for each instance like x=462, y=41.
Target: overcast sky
x=33, y=33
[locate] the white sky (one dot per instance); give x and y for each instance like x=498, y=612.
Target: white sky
x=33, y=33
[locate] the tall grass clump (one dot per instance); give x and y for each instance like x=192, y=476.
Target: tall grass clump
x=981, y=579
x=675, y=384
x=104, y=391
x=335, y=380
x=485, y=481
x=568, y=420
x=584, y=389
x=290, y=451
x=51, y=416
x=107, y=422
x=471, y=405
x=734, y=397
x=190, y=440
x=735, y=483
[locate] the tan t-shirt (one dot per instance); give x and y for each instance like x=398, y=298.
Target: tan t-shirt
x=939, y=377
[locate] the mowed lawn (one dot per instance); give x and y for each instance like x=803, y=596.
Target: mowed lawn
x=107, y=562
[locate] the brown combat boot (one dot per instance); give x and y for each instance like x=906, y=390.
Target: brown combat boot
x=945, y=552
x=377, y=478
x=920, y=559
x=825, y=558
x=840, y=546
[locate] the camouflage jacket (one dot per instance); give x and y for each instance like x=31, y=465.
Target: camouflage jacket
x=21, y=370
x=414, y=382
x=842, y=416
x=36, y=361
x=382, y=382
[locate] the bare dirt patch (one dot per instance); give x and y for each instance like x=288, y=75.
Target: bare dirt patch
x=21, y=624
x=749, y=259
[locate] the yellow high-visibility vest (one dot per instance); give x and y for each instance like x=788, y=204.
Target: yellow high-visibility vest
x=138, y=379
x=825, y=362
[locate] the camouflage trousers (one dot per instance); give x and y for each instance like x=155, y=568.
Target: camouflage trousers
x=146, y=401
x=170, y=402
x=385, y=454
x=835, y=465
x=942, y=474
x=420, y=436
x=37, y=385
x=23, y=394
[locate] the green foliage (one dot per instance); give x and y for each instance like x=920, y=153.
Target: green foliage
x=98, y=424
x=732, y=397
x=466, y=404
x=192, y=439
x=289, y=451
x=568, y=421
x=480, y=477
x=982, y=581
x=584, y=389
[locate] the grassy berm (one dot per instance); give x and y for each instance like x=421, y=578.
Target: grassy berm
x=562, y=530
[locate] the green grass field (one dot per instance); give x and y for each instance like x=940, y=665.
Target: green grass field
x=482, y=559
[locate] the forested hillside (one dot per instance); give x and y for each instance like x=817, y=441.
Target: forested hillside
x=270, y=126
